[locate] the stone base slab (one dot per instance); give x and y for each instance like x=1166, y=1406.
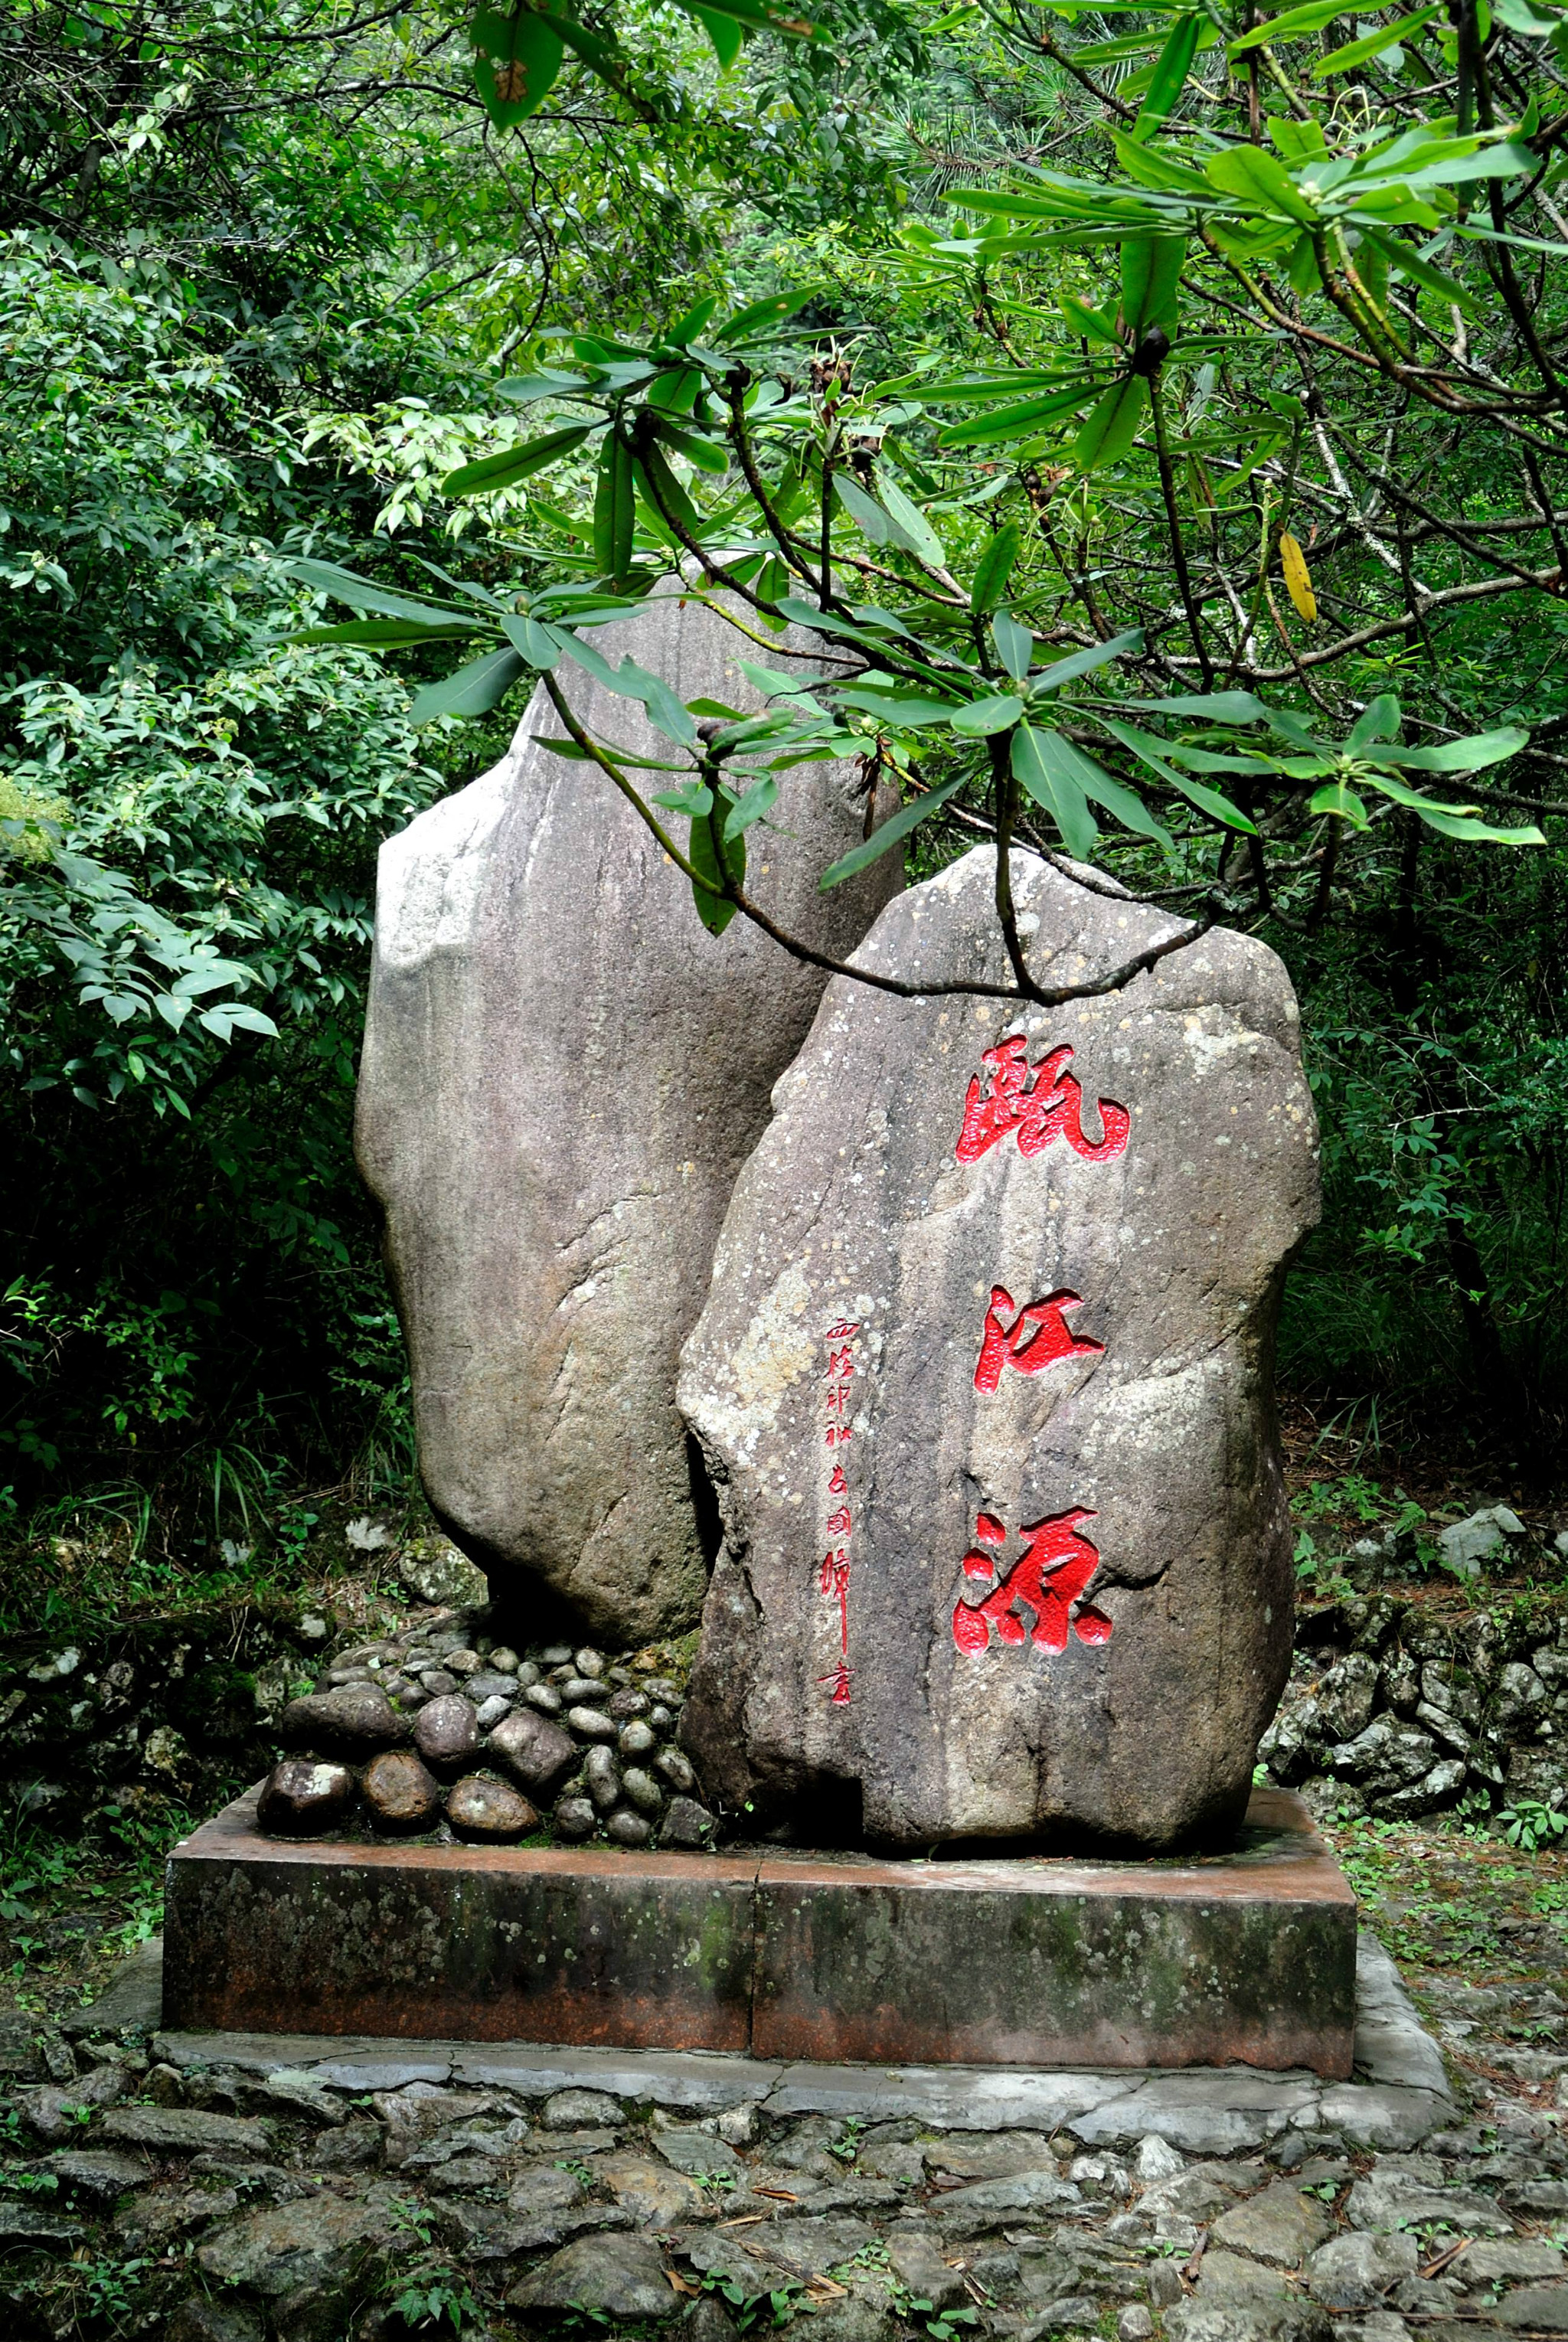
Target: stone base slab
x=1246, y=1957
x=1398, y=2095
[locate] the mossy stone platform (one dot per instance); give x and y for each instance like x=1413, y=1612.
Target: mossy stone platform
x=1247, y=1954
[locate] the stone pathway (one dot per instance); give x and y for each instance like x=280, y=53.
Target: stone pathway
x=250, y=2188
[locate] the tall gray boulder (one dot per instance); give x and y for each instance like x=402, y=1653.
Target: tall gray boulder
x=563, y=1072
x=986, y=1383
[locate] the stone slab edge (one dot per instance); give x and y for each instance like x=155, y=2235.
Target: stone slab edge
x=1399, y=2095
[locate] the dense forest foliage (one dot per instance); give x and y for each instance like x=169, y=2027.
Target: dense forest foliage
x=1165, y=411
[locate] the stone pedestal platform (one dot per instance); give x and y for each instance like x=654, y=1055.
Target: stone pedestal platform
x=1246, y=1956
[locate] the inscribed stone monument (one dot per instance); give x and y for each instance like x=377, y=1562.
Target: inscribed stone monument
x=984, y=1379
x=563, y=1074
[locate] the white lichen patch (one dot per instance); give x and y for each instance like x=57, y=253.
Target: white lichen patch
x=778, y=1347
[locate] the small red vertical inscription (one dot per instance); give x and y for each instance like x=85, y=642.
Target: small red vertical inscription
x=1036, y=1338
x=1048, y=1577
x=833, y=1581
x=1038, y=1104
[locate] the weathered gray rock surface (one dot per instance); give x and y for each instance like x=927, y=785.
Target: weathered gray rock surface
x=979, y=1337
x=563, y=1074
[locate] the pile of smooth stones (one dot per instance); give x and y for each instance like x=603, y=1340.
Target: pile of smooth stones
x=442, y=1732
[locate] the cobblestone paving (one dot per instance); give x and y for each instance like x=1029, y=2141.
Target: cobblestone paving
x=150, y=2186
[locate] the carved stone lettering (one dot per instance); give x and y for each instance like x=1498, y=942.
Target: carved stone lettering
x=1058, y=1237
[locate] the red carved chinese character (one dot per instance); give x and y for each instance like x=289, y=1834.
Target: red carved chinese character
x=834, y=1583
x=835, y=1435
x=843, y=1330
x=1039, y=1104
x=1048, y=1577
x=837, y=1485
x=1037, y=1336
x=840, y=1364
x=837, y=1398
x=839, y=1523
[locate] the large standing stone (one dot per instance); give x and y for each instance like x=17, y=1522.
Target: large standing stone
x=984, y=1379
x=563, y=1074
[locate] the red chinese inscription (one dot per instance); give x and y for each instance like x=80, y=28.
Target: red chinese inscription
x=1037, y=1336
x=1039, y=1103
x=1048, y=1577
x=833, y=1581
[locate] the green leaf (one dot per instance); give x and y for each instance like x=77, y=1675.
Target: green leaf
x=386, y=634
x=1093, y=324
x=1171, y=70
x=887, y=834
x=693, y=798
x=540, y=646
x=1150, y=273
x=707, y=455
x=675, y=391
x=591, y=661
x=1520, y=18
x=772, y=683
x=667, y=713
x=361, y=595
x=1398, y=254
x=1149, y=751
x=473, y=690
x=1125, y=803
x=1051, y=779
x=665, y=493
x=1401, y=793
x=865, y=619
x=727, y=37
x=603, y=57
x=978, y=388
x=1014, y=645
x=1152, y=167
x=1464, y=825
x=1013, y=421
x=1085, y=662
x=1461, y=755
x=758, y=314
x=615, y=508
x=1290, y=24
x=574, y=755
x=758, y=800
x=911, y=527
x=1302, y=268
x=994, y=569
x=979, y=717
x=516, y=60
x=863, y=510
x=905, y=708
x=1378, y=721
x=1258, y=766
x=522, y=390
x=1297, y=142
x=714, y=911
x=1261, y=180
x=756, y=17
x=1225, y=706
x=1371, y=44
x=1111, y=428
x=504, y=471
x=1337, y=797
x=1119, y=50
x=1505, y=162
